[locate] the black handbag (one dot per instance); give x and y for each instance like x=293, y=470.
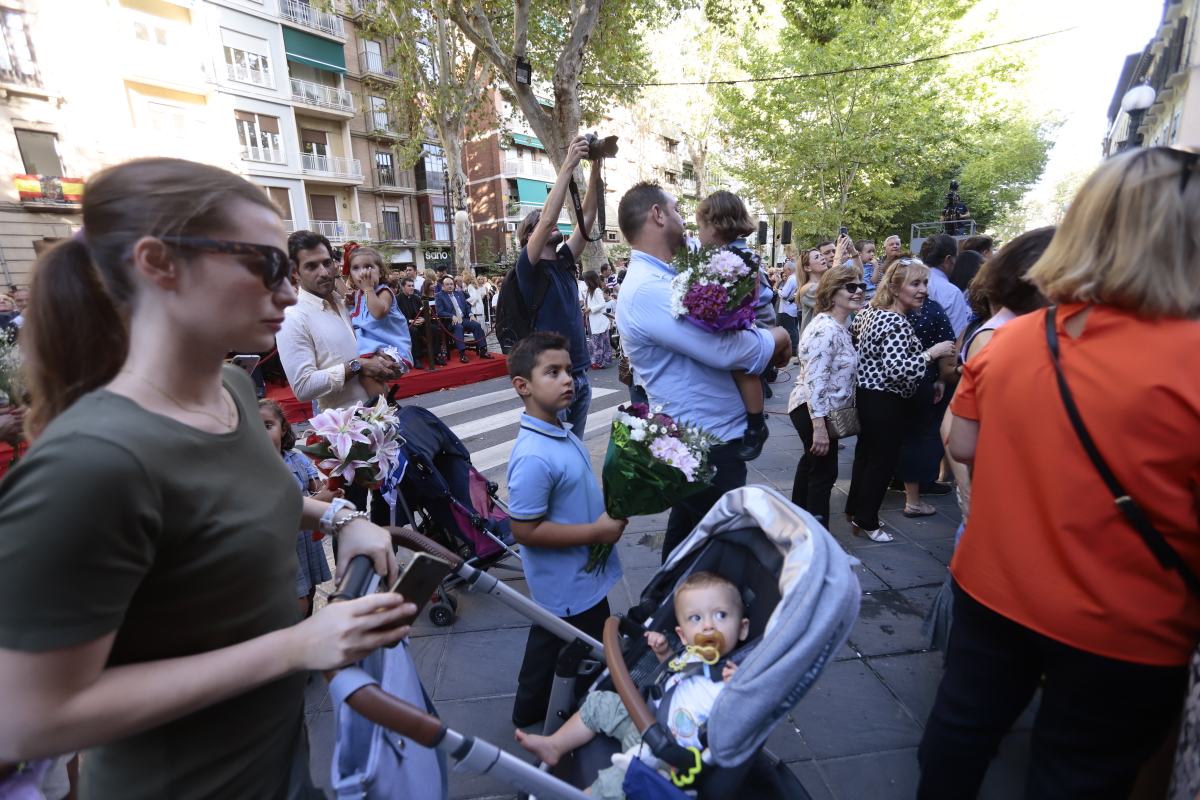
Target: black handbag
x=1167, y=556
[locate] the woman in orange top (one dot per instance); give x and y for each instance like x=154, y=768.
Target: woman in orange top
x=1050, y=579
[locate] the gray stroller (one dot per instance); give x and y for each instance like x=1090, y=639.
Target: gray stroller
x=802, y=599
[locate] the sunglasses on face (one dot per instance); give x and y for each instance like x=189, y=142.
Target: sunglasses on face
x=269, y=263
x=854, y=287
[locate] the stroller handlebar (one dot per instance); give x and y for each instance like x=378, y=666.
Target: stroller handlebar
x=409, y=538
x=356, y=581
x=635, y=704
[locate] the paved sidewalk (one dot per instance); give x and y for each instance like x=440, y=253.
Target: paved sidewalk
x=854, y=735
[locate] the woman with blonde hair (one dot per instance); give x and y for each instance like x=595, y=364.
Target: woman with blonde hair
x=812, y=266
x=1056, y=583
x=828, y=365
x=891, y=366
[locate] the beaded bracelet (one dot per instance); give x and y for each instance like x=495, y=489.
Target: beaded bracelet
x=346, y=520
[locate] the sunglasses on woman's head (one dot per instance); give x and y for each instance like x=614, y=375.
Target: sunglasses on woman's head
x=854, y=287
x=268, y=262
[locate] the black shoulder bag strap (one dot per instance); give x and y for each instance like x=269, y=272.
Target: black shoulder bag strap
x=1167, y=556
x=600, y=203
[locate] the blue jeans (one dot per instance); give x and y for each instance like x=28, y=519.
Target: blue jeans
x=576, y=414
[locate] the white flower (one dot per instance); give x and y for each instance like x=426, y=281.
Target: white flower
x=637, y=434
x=655, y=429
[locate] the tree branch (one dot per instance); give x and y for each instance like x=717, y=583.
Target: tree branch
x=521, y=29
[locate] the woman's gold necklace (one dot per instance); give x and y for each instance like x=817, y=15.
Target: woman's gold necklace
x=228, y=422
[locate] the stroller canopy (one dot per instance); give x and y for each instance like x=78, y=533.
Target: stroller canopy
x=819, y=600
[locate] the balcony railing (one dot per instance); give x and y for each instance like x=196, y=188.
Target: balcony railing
x=333, y=166
x=315, y=94
x=688, y=185
x=310, y=17
x=398, y=232
x=263, y=154
x=519, y=166
x=259, y=77
x=372, y=64
x=49, y=190
x=339, y=232
x=369, y=7
x=20, y=67
x=392, y=178
x=522, y=210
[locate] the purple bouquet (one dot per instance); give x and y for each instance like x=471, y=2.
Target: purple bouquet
x=715, y=288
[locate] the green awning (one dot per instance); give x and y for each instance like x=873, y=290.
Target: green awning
x=531, y=191
x=527, y=141
x=314, y=51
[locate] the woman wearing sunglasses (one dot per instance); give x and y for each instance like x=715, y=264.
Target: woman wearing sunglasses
x=828, y=365
x=150, y=619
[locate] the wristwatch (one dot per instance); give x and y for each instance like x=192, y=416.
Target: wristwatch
x=326, y=526
x=355, y=366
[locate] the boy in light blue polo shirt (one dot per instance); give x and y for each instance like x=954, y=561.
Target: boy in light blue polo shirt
x=557, y=511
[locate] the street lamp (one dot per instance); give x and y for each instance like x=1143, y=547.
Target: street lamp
x=1135, y=104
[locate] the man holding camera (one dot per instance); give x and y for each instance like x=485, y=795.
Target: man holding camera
x=545, y=257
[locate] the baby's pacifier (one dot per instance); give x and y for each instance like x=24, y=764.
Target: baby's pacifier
x=708, y=646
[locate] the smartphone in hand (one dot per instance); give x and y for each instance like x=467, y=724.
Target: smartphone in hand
x=419, y=579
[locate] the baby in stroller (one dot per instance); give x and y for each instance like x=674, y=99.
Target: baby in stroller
x=712, y=621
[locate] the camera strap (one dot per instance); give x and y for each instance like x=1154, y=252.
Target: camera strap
x=574, y=189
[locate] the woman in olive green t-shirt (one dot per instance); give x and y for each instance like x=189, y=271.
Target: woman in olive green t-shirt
x=147, y=539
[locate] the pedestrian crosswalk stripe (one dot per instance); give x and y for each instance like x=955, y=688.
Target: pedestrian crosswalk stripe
x=494, y=422
x=478, y=401
x=498, y=454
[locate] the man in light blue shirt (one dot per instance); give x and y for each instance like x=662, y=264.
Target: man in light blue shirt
x=938, y=252
x=683, y=368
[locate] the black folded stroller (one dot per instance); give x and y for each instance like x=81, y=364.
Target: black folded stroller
x=441, y=494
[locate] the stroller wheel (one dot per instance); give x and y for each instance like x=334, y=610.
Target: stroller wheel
x=441, y=615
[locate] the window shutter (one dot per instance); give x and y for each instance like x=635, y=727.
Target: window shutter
x=310, y=136
x=324, y=207
x=268, y=124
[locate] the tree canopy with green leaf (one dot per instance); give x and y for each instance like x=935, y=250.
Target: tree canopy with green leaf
x=875, y=150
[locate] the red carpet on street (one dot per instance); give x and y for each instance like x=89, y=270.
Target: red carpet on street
x=418, y=381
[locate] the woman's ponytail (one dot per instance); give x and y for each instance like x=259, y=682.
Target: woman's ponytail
x=74, y=338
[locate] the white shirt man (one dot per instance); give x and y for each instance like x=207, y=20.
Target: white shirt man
x=317, y=346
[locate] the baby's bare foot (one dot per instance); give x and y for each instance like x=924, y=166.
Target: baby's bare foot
x=541, y=746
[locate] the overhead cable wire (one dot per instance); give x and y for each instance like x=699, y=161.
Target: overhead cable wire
x=833, y=72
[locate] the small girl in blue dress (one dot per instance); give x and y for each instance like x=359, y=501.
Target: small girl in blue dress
x=312, y=567
x=379, y=324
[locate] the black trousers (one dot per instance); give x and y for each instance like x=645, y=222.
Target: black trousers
x=815, y=475
x=687, y=513
x=1099, y=718
x=921, y=448
x=882, y=418
x=536, y=677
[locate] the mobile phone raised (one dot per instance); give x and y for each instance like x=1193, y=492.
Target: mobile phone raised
x=246, y=362
x=843, y=231
x=419, y=579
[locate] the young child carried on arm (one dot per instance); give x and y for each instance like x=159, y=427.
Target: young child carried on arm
x=557, y=511
x=711, y=622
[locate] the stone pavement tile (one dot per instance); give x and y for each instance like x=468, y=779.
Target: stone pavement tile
x=489, y=719
x=1006, y=776
x=883, y=775
x=940, y=549
x=476, y=612
x=635, y=581
x=320, y=747
x=914, y=678
x=811, y=778
x=849, y=711
x=428, y=654
x=920, y=529
x=902, y=565
x=480, y=664
x=868, y=580
x=654, y=522
x=921, y=597
x=787, y=745
x=887, y=623
x=635, y=554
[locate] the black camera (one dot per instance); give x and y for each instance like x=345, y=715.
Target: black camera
x=600, y=148
x=954, y=186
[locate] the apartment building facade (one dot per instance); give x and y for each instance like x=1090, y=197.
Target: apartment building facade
x=509, y=173
x=282, y=91
x=1169, y=65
